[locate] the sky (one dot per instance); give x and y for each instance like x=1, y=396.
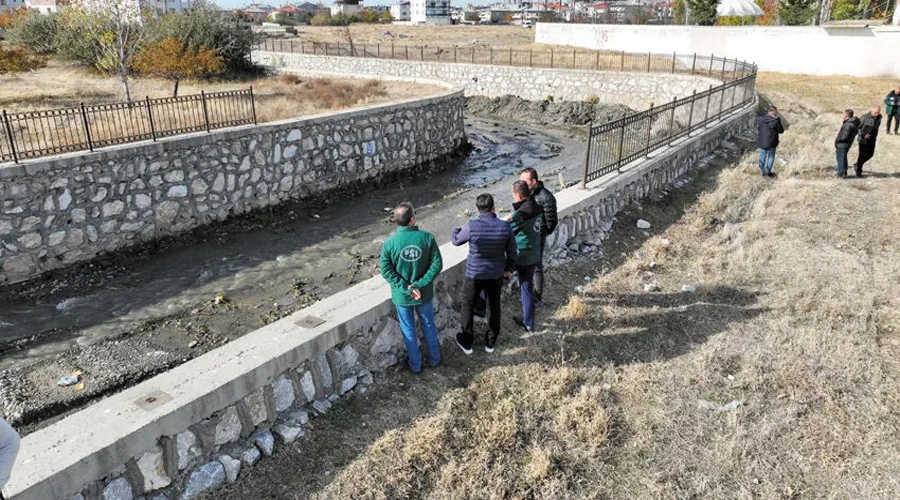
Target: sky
x=235, y=4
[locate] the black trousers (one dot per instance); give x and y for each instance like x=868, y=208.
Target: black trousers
x=896, y=118
x=866, y=152
x=470, y=292
x=539, y=272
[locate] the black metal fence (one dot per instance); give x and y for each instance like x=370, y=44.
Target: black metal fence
x=34, y=134
x=597, y=60
x=613, y=144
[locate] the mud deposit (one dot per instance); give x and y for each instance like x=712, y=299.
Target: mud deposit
x=126, y=317
x=544, y=113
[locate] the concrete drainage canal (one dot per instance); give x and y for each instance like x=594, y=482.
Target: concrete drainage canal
x=112, y=322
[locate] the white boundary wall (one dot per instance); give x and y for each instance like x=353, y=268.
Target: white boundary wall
x=813, y=50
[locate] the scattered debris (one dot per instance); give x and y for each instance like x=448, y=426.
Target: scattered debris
x=642, y=224
x=219, y=300
x=192, y=344
x=70, y=380
x=709, y=405
x=688, y=288
x=651, y=287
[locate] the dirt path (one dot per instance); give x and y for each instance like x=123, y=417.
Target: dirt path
x=777, y=378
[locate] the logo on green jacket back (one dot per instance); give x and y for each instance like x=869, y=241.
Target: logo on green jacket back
x=538, y=224
x=411, y=253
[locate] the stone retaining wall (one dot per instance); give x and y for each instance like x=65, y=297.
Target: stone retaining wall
x=67, y=209
x=636, y=90
x=195, y=427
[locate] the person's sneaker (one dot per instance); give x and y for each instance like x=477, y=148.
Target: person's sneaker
x=521, y=322
x=772, y=175
x=463, y=349
x=488, y=348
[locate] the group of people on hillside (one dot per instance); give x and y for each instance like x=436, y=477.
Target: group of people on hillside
x=411, y=260
x=865, y=128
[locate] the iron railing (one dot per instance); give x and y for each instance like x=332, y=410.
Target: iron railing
x=33, y=134
x=616, y=143
x=597, y=60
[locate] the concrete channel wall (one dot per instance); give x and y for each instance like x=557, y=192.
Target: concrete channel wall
x=811, y=50
x=636, y=90
x=65, y=209
x=195, y=427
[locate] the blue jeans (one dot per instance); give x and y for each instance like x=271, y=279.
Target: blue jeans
x=841, y=155
x=407, y=317
x=766, y=160
x=526, y=288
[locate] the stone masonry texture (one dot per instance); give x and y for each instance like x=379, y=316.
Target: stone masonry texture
x=59, y=211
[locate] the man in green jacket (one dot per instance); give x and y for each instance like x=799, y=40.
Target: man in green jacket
x=410, y=261
x=528, y=225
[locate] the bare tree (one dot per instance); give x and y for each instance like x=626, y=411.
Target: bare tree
x=114, y=29
x=347, y=36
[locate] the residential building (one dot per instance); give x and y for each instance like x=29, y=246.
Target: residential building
x=291, y=14
x=10, y=5
x=430, y=12
x=257, y=13
x=400, y=11
x=174, y=6
x=42, y=6
x=346, y=7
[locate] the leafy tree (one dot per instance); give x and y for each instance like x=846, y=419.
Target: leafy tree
x=845, y=10
x=796, y=12
x=387, y=17
x=679, y=11
x=17, y=60
x=769, y=7
x=370, y=16
x=40, y=33
x=110, y=33
x=10, y=18
x=203, y=25
x=174, y=60
x=703, y=12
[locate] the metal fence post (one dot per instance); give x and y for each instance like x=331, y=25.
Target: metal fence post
x=454, y=53
x=708, y=98
x=721, y=103
x=87, y=128
x=691, y=112
x=9, y=135
x=712, y=57
x=694, y=64
x=649, y=54
x=492, y=55
x=422, y=53
x=253, y=104
x=723, y=67
x=531, y=58
x=596, y=60
x=587, y=157
x=551, y=58
x=673, y=62
x=623, y=60
x=392, y=50
x=406, y=48
x=734, y=72
x=510, y=56
x=574, y=54
x=150, y=117
x=649, y=127
x=326, y=48
x=205, y=112
x=671, y=121
x=621, y=143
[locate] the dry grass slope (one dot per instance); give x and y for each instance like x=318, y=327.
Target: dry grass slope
x=795, y=316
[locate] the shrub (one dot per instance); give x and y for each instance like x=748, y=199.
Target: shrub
x=703, y=12
x=370, y=16
x=203, y=25
x=17, y=59
x=174, y=60
x=845, y=10
x=322, y=19
x=592, y=99
x=10, y=18
x=796, y=12
x=40, y=33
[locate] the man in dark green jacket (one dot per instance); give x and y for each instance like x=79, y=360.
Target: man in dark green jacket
x=528, y=225
x=410, y=261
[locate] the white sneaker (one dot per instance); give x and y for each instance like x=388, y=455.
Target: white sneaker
x=488, y=349
x=466, y=351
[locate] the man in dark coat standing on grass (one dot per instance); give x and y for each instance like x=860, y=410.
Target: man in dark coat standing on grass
x=769, y=127
x=492, y=255
x=868, y=134
x=545, y=199
x=892, y=110
x=843, y=141
x=527, y=223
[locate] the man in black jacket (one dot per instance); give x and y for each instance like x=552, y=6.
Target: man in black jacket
x=892, y=110
x=868, y=134
x=844, y=140
x=769, y=127
x=545, y=199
